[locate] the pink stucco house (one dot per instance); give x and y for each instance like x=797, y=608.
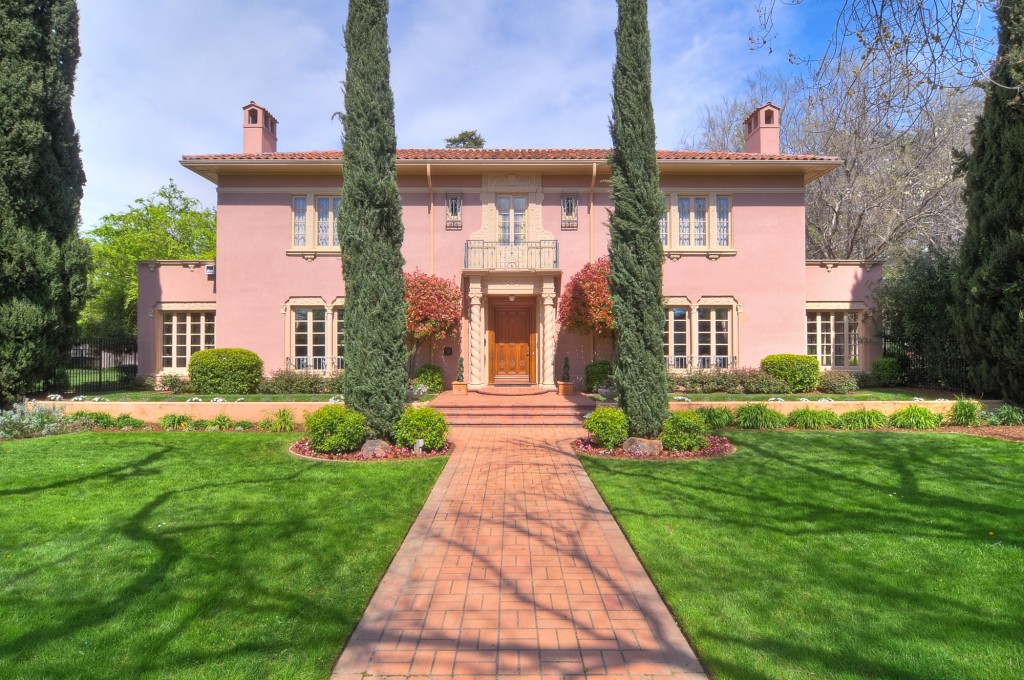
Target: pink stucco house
x=511, y=226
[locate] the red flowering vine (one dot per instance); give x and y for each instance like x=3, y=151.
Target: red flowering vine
x=586, y=303
x=433, y=307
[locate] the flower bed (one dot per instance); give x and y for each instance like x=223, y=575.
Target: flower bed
x=717, y=446
x=302, y=449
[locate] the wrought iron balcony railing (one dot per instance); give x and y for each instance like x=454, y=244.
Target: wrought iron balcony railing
x=525, y=255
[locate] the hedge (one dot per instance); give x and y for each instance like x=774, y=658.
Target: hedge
x=225, y=371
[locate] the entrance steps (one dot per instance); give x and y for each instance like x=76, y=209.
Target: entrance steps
x=477, y=409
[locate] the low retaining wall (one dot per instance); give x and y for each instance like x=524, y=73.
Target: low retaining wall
x=837, y=407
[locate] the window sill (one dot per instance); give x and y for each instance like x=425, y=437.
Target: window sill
x=311, y=254
x=710, y=253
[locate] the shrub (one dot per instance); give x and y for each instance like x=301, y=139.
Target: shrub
x=334, y=382
x=799, y=371
x=244, y=425
x=862, y=419
x=812, y=419
x=964, y=413
x=282, y=421
x=914, y=417
x=427, y=424
x=837, y=382
x=1010, y=415
x=598, y=374
x=98, y=419
x=607, y=426
x=127, y=422
x=225, y=371
x=199, y=425
x=763, y=382
x=585, y=306
x=431, y=376
x=287, y=381
x=716, y=417
x=22, y=422
x=336, y=429
x=175, y=421
x=885, y=372
x=221, y=423
x=684, y=431
x=759, y=417
x=174, y=383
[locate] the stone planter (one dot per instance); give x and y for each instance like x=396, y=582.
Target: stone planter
x=460, y=387
x=564, y=388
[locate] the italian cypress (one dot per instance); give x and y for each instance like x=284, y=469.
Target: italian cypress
x=635, y=248
x=371, y=226
x=43, y=262
x=989, y=285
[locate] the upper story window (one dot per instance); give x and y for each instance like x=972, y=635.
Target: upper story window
x=315, y=222
x=327, y=209
x=689, y=220
x=511, y=219
x=299, y=221
x=693, y=221
x=453, y=211
x=570, y=211
x=663, y=225
x=723, y=215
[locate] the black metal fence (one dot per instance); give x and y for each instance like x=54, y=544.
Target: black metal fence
x=940, y=368
x=98, y=367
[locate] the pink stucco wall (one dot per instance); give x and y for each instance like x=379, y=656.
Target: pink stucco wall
x=167, y=283
x=849, y=282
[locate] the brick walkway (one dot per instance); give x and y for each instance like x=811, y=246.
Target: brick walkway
x=515, y=567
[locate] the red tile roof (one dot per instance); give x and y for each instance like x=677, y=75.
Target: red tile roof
x=509, y=154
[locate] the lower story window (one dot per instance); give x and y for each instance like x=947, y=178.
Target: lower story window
x=310, y=338
x=184, y=334
x=833, y=338
x=714, y=337
x=676, y=346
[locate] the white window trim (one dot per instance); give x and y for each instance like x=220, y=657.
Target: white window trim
x=692, y=338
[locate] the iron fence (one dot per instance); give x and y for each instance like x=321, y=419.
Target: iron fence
x=935, y=367
x=97, y=366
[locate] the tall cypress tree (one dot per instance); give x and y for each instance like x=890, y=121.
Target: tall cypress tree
x=43, y=262
x=371, y=225
x=990, y=281
x=635, y=249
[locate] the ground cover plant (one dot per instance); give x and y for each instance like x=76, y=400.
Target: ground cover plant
x=812, y=419
x=758, y=417
x=914, y=417
x=863, y=419
x=206, y=555
x=836, y=554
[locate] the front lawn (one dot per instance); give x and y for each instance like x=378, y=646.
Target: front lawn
x=190, y=555
x=151, y=395
x=836, y=554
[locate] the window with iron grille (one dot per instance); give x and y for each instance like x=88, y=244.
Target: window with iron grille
x=309, y=335
x=570, y=211
x=714, y=337
x=453, y=211
x=677, y=320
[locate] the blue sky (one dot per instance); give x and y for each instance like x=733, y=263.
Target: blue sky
x=163, y=78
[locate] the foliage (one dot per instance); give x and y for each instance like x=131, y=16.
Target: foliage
x=808, y=418
x=598, y=374
x=684, y=431
x=244, y=425
x=371, y=226
x=335, y=428
x=200, y=425
x=167, y=225
x=225, y=371
x=288, y=381
x=467, y=139
x=432, y=377
x=433, y=307
x=175, y=383
x=424, y=423
x=885, y=372
x=1010, y=415
x=716, y=417
x=221, y=423
x=22, y=422
x=758, y=417
x=607, y=426
x=989, y=284
x=585, y=306
x=175, y=421
x=837, y=382
x=732, y=381
x=44, y=264
x=283, y=420
x=965, y=413
x=635, y=244
x=102, y=420
x=862, y=419
x=914, y=417
x=799, y=371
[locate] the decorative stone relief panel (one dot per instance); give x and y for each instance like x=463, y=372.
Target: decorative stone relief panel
x=511, y=183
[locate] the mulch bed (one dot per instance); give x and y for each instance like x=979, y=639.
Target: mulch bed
x=302, y=449
x=717, y=446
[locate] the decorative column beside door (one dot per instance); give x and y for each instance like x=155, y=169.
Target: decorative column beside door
x=548, y=348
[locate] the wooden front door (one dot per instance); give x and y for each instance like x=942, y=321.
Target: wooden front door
x=512, y=340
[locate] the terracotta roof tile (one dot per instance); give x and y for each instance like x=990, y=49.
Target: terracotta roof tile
x=509, y=154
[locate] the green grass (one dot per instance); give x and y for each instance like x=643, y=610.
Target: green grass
x=150, y=395
x=190, y=555
x=835, y=554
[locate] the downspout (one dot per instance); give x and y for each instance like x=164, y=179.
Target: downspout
x=430, y=213
x=593, y=182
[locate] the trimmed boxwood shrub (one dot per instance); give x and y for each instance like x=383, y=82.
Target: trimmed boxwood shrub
x=424, y=423
x=335, y=429
x=607, y=426
x=759, y=417
x=431, y=376
x=915, y=417
x=225, y=371
x=837, y=382
x=598, y=374
x=799, y=371
x=885, y=372
x=812, y=419
x=684, y=431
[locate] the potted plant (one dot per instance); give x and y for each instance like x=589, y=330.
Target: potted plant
x=565, y=384
x=459, y=384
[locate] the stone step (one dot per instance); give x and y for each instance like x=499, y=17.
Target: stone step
x=517, y=421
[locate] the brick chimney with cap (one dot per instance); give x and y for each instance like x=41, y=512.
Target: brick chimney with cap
x=259, y=129
x=762, y=129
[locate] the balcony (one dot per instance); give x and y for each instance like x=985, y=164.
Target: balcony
x=502, y=256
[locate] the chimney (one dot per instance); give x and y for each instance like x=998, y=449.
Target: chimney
x=762, y=128
x=259, y=129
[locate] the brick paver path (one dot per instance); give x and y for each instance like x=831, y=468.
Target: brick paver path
x=515, y=567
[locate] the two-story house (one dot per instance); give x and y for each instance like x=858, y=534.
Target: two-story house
x=511, y=226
